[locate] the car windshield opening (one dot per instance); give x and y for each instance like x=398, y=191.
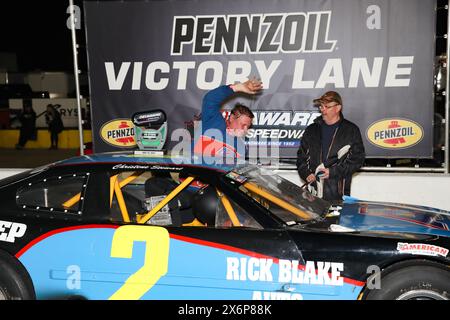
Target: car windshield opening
x=281, y=197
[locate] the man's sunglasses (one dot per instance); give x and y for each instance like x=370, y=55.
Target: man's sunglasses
x=323, y=106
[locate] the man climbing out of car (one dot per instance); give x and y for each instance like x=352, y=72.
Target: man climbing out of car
x=223, y=137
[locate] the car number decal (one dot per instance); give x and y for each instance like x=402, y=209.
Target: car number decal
x=156, y=261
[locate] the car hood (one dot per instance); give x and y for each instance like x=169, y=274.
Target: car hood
x=390, y=217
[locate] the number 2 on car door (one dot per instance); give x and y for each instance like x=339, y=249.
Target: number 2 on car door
x=156, y=260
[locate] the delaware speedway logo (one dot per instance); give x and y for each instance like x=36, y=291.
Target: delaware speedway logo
x=119, y=133
x=394, y=133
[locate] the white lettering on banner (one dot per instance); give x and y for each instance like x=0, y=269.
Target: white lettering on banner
x=9, y=231
x=267, y=73
x=274, y=134
x=233, y=75
x=394, y=70
x=245, y=67
x=183, y=67
x=314, y=273
x=279, y=120
x=304, y=118
x=285, y=118
x=153, y=69
x=266, y=118
x=116, y=82
x=137, y=71
x=255, y=33
x=361, y=67
x=298, y=82
x=332, y=73
x=217, y=72
x=210, y=74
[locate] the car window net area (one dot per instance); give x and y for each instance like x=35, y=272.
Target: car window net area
x=281, y=197
x=170, y=200
x=157, y=198
x=230, y=214
x=56, y=194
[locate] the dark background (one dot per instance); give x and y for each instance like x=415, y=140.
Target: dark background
x=409, y=27
x=36, y=31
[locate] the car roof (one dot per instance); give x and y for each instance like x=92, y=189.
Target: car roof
x=132, y=158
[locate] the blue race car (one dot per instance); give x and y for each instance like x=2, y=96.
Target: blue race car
x=127, y=226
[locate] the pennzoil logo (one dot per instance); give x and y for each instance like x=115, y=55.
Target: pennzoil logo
x=394, y=133
x=119, y=133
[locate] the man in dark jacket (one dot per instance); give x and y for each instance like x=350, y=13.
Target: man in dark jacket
x=331, y=150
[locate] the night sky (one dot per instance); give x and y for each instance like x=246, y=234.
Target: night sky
x=36, y=31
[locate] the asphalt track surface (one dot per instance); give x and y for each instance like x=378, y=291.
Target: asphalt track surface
x=31, y=158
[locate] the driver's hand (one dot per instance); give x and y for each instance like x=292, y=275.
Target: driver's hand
x=250, y=86
x=325, y=173
x=311, y=178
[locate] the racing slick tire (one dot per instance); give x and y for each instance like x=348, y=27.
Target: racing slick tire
x=414, y=282
x=15, y=283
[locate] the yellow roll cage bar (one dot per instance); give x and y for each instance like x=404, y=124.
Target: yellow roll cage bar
x=116, y=188
x=229, y=208
x=166, y=200
x=280, y=202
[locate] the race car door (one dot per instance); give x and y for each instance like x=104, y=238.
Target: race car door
x=191, y=247
x=142, y=239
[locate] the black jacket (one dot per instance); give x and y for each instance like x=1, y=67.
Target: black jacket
x=309, y=157
x=28, y=121
x=54, y=122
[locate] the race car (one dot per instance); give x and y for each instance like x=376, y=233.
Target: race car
x=125, y=226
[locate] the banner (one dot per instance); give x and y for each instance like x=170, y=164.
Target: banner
x=67, y=108
x=166, y=55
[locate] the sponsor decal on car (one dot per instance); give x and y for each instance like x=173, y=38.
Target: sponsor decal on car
x=394, y=133
x=422, y=249
x=236, y=177
x=166, y=168
x=256, y=269
x=130, y=167
x=9, y=231
x=145, y=167
x=119, y=133
x=288, y=271
x=132, y=262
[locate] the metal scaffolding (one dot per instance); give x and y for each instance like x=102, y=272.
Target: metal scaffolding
x=76, y=74
x=447, y=97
